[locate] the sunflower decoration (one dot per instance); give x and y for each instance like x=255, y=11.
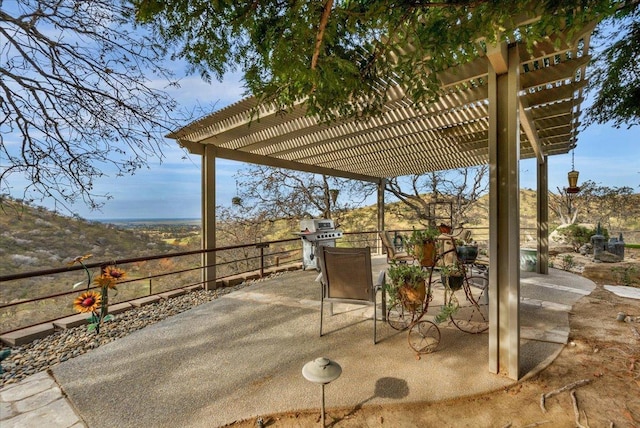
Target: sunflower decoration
x=80, y=259
x=115, y=273
x=97, y=302
x=105, y=281
x=88, y=301
x=110, y=276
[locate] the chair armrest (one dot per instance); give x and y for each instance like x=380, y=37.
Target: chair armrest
x=381, y=279
x=380, y=285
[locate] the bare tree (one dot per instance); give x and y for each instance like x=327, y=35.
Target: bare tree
x=279, y=193
x=564, y=206
x=77, y=96
x=461, y=188
x=237, y=225
x=597, y=203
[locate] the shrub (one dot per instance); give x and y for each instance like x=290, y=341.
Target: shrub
x=578, y=235
x=626, y=275
x=567, y=262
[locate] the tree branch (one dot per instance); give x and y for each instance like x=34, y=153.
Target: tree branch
x=324, y=19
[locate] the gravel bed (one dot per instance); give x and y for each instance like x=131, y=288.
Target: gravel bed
x=62, y=345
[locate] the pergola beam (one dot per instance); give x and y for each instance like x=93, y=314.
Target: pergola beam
x=297, y=166
x=552, y=74
x=526, y=120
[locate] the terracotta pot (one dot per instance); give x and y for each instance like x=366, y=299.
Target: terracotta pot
x=412, y=296
x=443, y=228
x=426, y=253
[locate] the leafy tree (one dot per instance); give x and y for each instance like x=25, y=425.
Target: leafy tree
x=597, y=203
x=332, y=52
x=614, y=75
x=76, y=96
x=329, y=53
x=462, y=187
x=272, y=193
x=604, y=203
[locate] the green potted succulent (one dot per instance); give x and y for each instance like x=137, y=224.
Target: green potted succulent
x=407, y=284
x=421, y=244
x=452, y=276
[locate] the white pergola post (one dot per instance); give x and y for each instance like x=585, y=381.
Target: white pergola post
x=209, y=216
x=381, y=185
x=504, y=214
x=543, y=217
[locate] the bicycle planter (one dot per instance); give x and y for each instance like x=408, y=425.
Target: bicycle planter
x=465, y=300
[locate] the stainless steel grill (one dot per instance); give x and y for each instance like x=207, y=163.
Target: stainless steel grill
x=315, y=233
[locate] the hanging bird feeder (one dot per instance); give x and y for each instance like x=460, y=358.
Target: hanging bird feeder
x=572, y=176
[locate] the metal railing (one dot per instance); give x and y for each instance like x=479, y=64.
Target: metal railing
x=36, y=297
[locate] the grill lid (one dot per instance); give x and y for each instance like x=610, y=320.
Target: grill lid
x=316, y=225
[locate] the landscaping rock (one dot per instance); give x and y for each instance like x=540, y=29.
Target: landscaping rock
x=612, y=273
x=586, y=249
x=60, y=345
x=558, y=249
x=607, y=257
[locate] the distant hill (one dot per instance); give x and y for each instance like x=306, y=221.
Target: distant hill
x=33, y=238
x=398, y=216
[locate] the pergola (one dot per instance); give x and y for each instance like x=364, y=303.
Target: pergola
x=509, y=103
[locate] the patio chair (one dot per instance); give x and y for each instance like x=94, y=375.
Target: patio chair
x=392, y=254
x=345, y=276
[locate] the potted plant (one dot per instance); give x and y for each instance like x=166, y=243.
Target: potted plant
x=452, y=276
x=467, y=251
x=446, y=312
x=407, y=285
x=422, y=246
x=444, y=228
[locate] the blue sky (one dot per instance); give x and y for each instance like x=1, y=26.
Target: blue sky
x=171, y=189
x=604, y=154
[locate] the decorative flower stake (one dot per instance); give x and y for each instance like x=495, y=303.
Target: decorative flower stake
x=87, y=302
x=91, y=301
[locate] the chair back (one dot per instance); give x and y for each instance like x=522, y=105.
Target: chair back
x=347, y=274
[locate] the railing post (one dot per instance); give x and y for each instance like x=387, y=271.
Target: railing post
x=262, y=246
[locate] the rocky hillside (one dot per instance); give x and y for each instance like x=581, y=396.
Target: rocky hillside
x=33, y=238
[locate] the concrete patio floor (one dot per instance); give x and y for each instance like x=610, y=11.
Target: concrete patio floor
x=241, y=356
